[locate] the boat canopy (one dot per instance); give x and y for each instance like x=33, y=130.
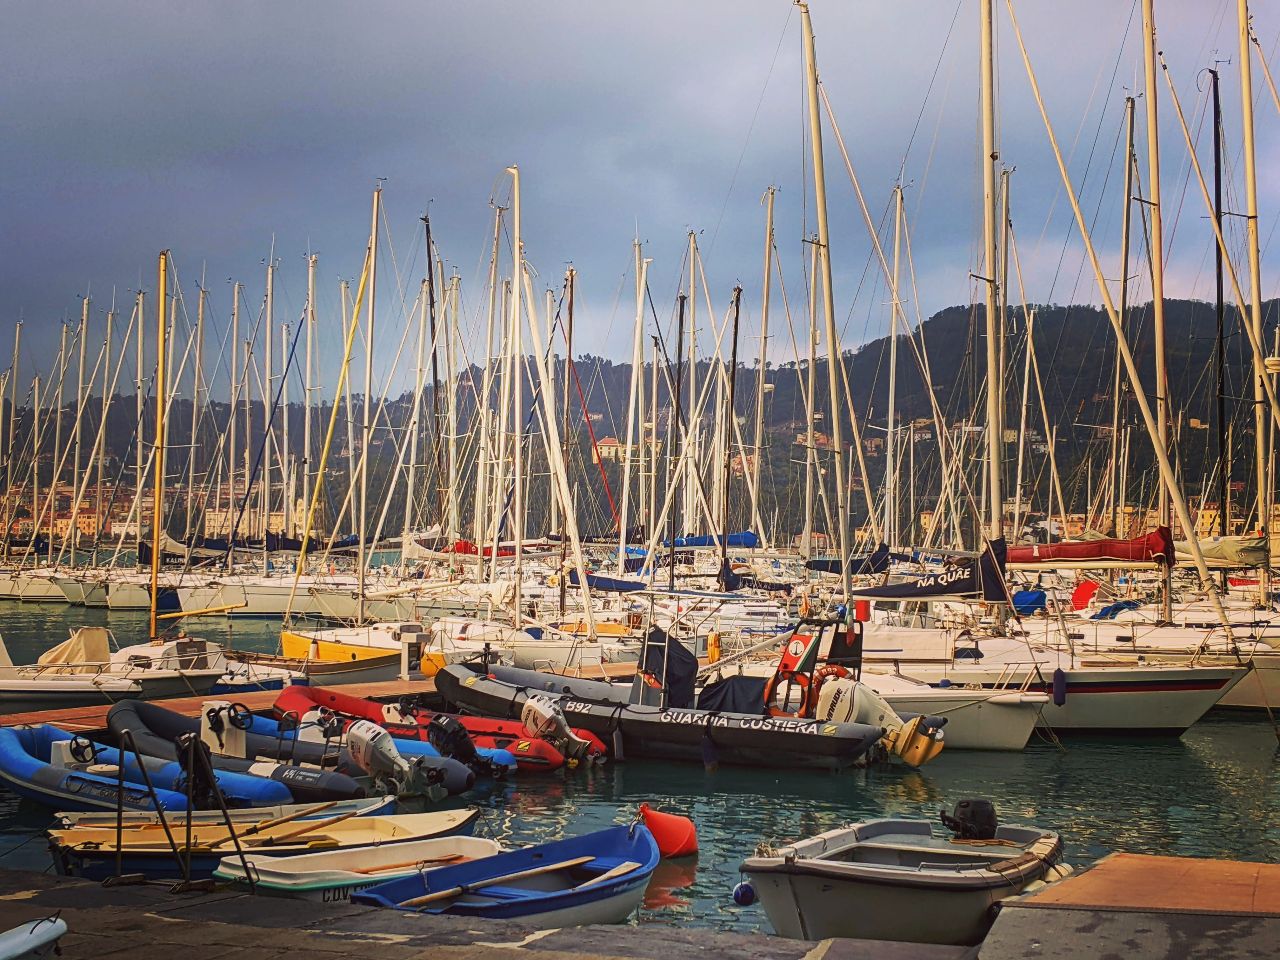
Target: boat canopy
x=83, y=652
x=608, y=584
x=1233, y=551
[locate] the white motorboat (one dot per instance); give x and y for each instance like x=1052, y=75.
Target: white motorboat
x=1088, y=696
x=895, y=879
x=83, y=670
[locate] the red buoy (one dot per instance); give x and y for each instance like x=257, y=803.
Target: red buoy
x=676, y=835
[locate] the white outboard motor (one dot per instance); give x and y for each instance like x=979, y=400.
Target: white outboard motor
x=374, y=751
x=543, y=718
x=916, y=741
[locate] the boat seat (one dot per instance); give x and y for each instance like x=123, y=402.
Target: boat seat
x=994, y=852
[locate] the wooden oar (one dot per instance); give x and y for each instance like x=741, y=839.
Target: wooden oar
x=623, y=868
x=451, y=858
x=494, y=881
x=312, y=825
x=278, y=821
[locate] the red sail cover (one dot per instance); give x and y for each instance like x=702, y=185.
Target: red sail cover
x=1156, y=547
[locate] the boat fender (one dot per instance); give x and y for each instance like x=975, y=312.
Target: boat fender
x=744, y=894
x=676, y=835
x=1059, y=687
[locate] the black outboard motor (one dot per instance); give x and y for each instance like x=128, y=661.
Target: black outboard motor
x=451, y=739
x=972, y=820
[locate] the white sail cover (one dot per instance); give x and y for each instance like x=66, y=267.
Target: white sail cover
x=1225, y=551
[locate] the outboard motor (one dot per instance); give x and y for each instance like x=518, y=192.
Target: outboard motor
x=972, y=820
x=193, y=754
x=451, y=739
x=543, y=718
x=374, y=751
x=915, y=740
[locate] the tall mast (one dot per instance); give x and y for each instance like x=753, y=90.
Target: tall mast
x=453, y=521
x=891, y=434
x=268, y=425
x=995, y=415
x=35, y=464
x=1126, y=218
x=1219, y=353
x=690, y=435
x=233, y=416
x=308, y=386
x=366, y=405
x=415, y=414
x=484, y=459
x=55, y=461
x=286, y=456
x=195, y=410
x=635, y=413
x=108, y=388
x=11, y=446
x=73, y=528
x=762, y=377
x=1151, y=99
x=157, y=497
x=727, y=459
x=674, y=434
x=811, y=393
x=517, y=399
x=1260, y=427
x=834, y=357
x=140, y=409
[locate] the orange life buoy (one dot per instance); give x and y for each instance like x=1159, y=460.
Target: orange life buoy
x=794, y=679
x=822, y=675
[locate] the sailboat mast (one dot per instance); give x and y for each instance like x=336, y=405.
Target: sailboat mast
x=415, y=415
x=55, y=461
x=834, y=357
x=1126, y=219
x=366, y=404
x=674, y=434
x=891, y=433
x=140, y=409
x=73, y=527
x=761, y=379
x=1260, y=434
x=635, y=412
x=108, y=388
x=725, y=453
x=1219, y=353
x=517, y=398
x=994, y=322
x=308, y=385
x=157, y=496
x=13, y=416
x=811, y=388
x=1151, y=99
x=195, y=411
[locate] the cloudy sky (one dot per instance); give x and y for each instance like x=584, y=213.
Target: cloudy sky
x=220, y=130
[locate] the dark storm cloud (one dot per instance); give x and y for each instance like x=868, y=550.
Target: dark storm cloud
x=212, y=128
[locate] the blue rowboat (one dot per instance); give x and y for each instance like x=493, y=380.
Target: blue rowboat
x=595, y=878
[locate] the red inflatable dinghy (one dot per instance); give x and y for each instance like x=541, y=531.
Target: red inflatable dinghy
x=408, y=721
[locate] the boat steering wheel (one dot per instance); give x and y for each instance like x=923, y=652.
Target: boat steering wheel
x=239, y=716
x=83, y=750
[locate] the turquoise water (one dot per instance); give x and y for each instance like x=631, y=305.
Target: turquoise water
x=1214, y=793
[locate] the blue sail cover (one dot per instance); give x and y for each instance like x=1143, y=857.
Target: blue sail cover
x=746, y=540
x=609, y=584
x=875, y=562
x=968, y=578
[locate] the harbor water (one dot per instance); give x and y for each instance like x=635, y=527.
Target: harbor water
x=1213, y=793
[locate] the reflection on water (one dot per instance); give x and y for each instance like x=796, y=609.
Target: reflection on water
x=1215, y=792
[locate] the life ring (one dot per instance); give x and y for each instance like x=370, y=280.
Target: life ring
x=793, y=679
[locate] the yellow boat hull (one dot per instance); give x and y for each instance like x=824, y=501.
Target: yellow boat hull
x=302, y=647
